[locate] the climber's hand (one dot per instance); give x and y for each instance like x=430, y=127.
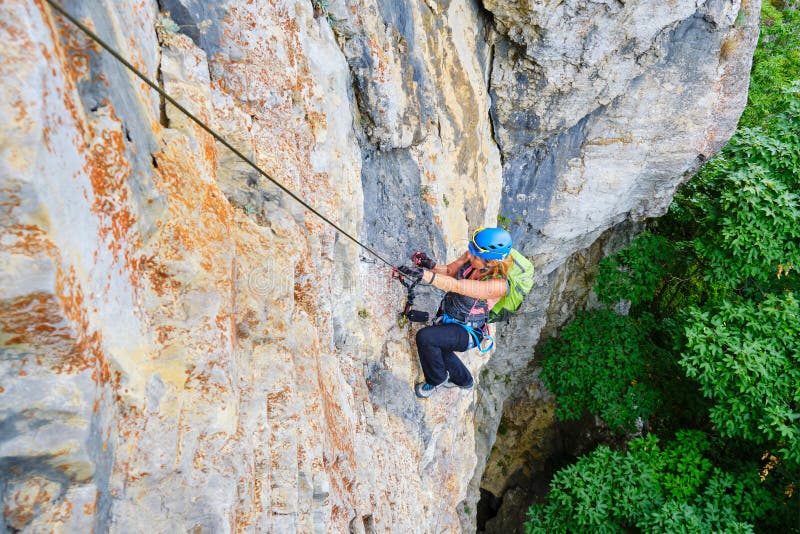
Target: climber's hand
x=410, y=271
x=421, y=259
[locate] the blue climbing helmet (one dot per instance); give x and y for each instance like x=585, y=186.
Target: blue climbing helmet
x=490, y=243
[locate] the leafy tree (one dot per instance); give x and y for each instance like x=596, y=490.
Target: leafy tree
x=776, y=62
x=623, y=368
x=743, y=346
x=726, y=295
x=746, y=356
x=734, y=270
x=601, y=363
x=749, y=208
x=637, y=273
x=713, y=291
x=673, y=487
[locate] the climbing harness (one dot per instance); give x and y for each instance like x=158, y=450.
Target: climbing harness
x=477, y=336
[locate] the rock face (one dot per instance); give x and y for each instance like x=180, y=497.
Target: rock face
x=186, y=347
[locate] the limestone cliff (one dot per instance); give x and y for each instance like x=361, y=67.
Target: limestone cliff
x=185, y=348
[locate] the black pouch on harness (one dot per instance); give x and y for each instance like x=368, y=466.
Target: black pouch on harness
x=417, y=316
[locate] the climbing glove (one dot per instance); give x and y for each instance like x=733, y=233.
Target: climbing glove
x=421, y=259
x=410, y=271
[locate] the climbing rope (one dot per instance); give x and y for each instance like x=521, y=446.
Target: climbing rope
x=208, y=129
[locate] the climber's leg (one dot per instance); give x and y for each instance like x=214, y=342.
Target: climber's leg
x=459, y=374
x=436, y=345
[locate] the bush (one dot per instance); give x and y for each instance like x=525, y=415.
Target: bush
x=651, y=488
x=776, y=62
x=749, y=207
x=635, y=273
x=715, y=287
x=602, y=363
x=746, y=356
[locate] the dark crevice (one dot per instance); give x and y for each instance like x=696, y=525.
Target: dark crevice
x=488, y=506
x=364, y=123
x=569, y=440
x=319, y=9
x=487, y=19
x=163, y=118
x=492, y=114
x=211, y=76
x=369, y=524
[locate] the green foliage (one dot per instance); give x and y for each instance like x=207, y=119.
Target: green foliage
x=635, y=272
x=742, y=347
x=741, y=257
x=321, y=6
x=652, y=488
x=683, y=517
x=165, y=24
x=503, y=221
x=759, y=231
x=656, y=274
x=776, y=62
x=746, y=356
x=602, y=363
x=714, y=293
x=749, y=206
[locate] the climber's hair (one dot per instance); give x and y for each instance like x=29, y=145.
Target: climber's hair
x=499, y=268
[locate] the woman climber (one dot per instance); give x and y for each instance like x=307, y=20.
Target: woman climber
x=473, y=285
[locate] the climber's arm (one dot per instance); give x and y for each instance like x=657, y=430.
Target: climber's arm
x=451, y=268
x=478, y=289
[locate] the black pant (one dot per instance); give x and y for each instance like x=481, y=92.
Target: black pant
x=436, y=345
